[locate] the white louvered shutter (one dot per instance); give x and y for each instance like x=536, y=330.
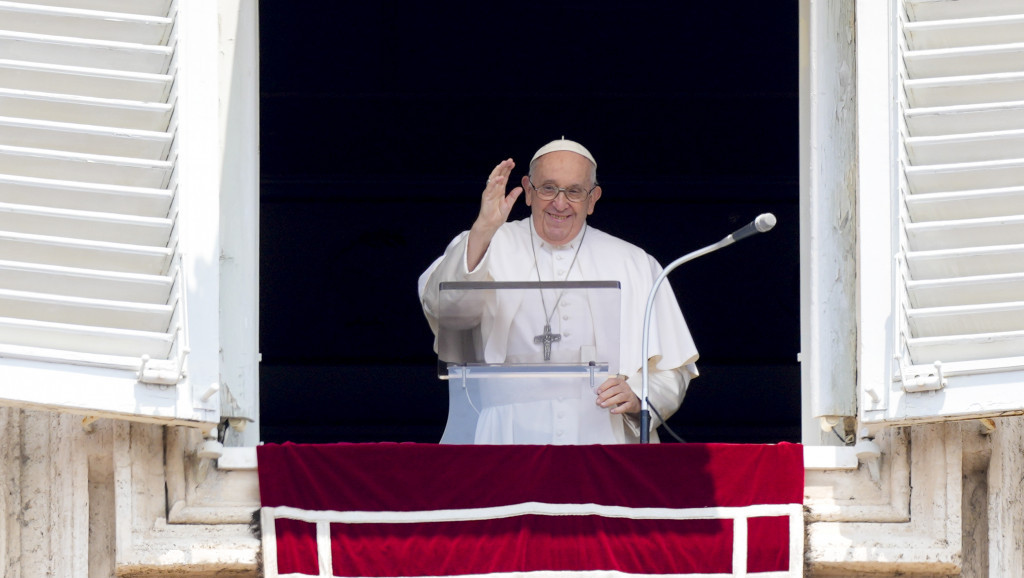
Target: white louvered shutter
x=97, y=307
x=958, y=322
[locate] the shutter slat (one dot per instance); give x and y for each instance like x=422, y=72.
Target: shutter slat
x=98, y=25
x=80, y=138
x=972, y=147
x=990, y=346
x=958, y=90
x=1002, y=202
x=967, y=319
x=971, y=262
x=60, y=338
x=43, y=163
x=115, y=113
x=84, y=311
x=965, y=61
x=141, y=201
x=82, y=81
x=965, y=176
x=979, y=289
x=964, y=233
x=100, y=255
x=124, y=56
x=89, y=225
x=959, y=32
x=961, y=119
x=142, y=7
x=925, y=10
x=24, y=353
x=88, y=283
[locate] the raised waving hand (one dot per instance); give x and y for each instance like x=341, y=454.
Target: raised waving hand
x=495, y=206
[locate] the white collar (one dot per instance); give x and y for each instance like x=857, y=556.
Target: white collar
x=540, y=243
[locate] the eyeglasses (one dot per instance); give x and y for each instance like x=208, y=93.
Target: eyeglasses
x=572, y=194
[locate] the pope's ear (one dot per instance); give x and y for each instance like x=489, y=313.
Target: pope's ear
x=527, y=189
x=594, y=196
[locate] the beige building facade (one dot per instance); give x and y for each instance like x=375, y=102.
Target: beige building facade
x=129, y=195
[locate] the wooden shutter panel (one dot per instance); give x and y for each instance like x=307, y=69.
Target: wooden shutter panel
x=959, y=294
x=91, y=273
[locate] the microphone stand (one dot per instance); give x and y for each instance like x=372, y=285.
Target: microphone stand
x=763, y=223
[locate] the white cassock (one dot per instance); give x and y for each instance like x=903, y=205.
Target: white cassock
x=545, y=412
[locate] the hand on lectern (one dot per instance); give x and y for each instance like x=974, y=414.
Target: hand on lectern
x=616, y=395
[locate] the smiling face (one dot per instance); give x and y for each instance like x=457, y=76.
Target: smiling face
x=558, y=221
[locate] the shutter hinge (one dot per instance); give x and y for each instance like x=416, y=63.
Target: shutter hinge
x=164, y=372
x=921, y=379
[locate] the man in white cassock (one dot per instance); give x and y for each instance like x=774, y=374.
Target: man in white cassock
x=556, y=244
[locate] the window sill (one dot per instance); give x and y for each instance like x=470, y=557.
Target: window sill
x=815, y=458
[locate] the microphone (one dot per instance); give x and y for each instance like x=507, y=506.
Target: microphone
x=762, y=224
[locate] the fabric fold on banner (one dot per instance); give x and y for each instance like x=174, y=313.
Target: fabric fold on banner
x=436, y=510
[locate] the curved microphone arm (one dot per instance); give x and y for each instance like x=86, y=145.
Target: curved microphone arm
x=762, y=224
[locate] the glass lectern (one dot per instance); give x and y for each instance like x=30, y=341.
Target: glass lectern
x=501, y=343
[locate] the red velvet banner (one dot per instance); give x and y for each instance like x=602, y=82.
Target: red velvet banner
x=433, y=510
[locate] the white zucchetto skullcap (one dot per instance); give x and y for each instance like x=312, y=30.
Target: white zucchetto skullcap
x=563, y=144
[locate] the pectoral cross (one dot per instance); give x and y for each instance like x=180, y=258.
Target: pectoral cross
x=547, y=338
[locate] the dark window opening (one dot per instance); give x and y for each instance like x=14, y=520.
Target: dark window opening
x=380, y=121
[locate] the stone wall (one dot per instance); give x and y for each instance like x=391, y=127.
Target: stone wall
x=104, y=498
x=112, y=498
